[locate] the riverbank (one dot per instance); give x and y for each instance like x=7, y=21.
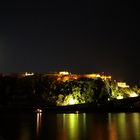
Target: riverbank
x=124, y=105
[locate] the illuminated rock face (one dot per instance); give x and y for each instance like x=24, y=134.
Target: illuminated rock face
x=63, y=88
x=122, y=90
x=82, y=91
x=133, y=94
x=70, y=101
x=95, y=90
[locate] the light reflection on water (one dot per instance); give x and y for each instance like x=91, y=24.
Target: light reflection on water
x=104, y=126
x=38, y=124
x=124, y=126
x=70, y=126
x=73, y=126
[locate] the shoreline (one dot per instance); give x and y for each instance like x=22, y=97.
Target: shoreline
x=124, y=105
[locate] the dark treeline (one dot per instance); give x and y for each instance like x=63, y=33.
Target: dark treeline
x=42, y=89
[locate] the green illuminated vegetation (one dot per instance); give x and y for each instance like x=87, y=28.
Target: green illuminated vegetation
x=62, y=90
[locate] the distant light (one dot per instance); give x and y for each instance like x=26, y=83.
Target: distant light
x=28, y=74
x=39, y=111
x=77, y=112
x=64, y=73
x=122, y=85
x=98, y=75
x=93, y=76
x=108, y=99
x=109, y=77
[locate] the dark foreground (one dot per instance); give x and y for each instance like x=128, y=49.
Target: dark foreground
x=125, y=105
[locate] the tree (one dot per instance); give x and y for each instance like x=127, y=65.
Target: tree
x=101, y=92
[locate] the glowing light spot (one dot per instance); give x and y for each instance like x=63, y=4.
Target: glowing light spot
x=64, y=73
x=39, y=111
x=72, y=101
x=98, y=75
x=122, y=85
x=69, y=100
x=29, y=74
x=119, y=97
x=133, y=94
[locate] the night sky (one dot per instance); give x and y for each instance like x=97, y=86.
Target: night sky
x=78, y=36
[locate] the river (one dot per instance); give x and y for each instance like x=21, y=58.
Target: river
x=72, y=126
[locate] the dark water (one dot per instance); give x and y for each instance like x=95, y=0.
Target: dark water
x=82, y=126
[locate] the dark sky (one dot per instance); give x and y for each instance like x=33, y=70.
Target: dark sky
x=78, y=36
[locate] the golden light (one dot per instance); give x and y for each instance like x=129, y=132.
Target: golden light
x=69, y=100
x=39, y=111
x=28, y=74
x=98, y=75
x=119, y=97
x=109, y=77
x=133, y=94
x=64, y=73
x=122, y=85
x=72, y=101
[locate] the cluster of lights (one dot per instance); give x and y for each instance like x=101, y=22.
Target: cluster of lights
x=28, y=74
x=98, y=76
x=64, y=73
x=131, y=95
x=65, y=76
x=122, y=85
x=39, y=110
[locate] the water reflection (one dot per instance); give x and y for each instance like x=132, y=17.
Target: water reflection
x=71, y=125
x=38, y=124
x=104, y=126
x=75, y=126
